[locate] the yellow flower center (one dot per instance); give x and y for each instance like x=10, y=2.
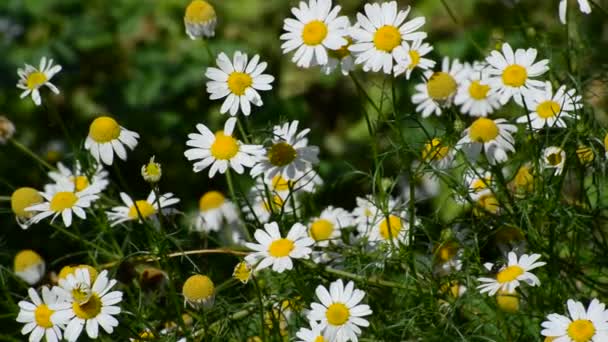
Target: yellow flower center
x=441, y=85
x=509, y=274
x=80, y=183
x=211, y=200
x=314, y=32
x=489, y=203
x=81, y=293
x=548, y=109
x=320, y=338
x=35, y=80
x=483, y=130
x=199, y=12
x=478, y=91
x=198, y=288
x=281, y=154
x=321, y=229
x=281, y=184
x=153, y=169
x=581, y=330
x=238, y=82
x=88, y=310
x=276, y=204
x=224, y=147
x=42, y=314
x=23, y=198
x=508, y=302
x=514, y=75
x=481, y=184
x=342, y=52
x=585, y=155
x=145, y=336
x=524, y=178
x=337, y=314
x=280, y=248
x=63, y=200
x=447, y=251
x=26, y=259
x=554, y=158
x=387, y=38
x=390, y=228
x=433, y=150
x=145, y=209
x=550, y=338
x=67, y=270
x=415, y=59
x=242, y=272
x=104, y=129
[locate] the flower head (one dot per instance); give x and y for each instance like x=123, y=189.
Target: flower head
x=509, y=276
x=474, y=95
x=21, y=199
x=554, y=157
x=549, y=109
x=37, y=316
x=64, y=200
x=200, y=19
x=492, y=137
x=411, y=57
x=328, y=226
x=581, y=325
x=29, y=266
x=198, y=290
x=152, y=171
x=141, y=209
x=32, y=79
x=107, y=137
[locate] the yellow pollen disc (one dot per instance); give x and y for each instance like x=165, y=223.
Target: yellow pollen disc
x=441, y=85
x=508, y=302
x=320, y=339
x=145, y=336
x=145, y=209
x=276, y=204
x=199, y=12
x=434, y=150
x=514, y=75
x=509, y=274
x=523, y=178
x=82, y=294
x=198, y=288
x=550, y=338
x=281, y=184
x=387, y=38
x=153, y=169
x=480, y=184
x=581, y=330
x=447, y=251
x=211, y=200
x=88, y=310
x=390, y=228
x=63, y=200
x=238, y=82
x=321, y=229
x=554, y=158
x=67, y=270
x=489, y=203
x=314, y=33
x=280, y=248
x=224, y=147
x=26, y=259
x=415, y=57
x=80, y=183
x=104, y=129
x=35, y=80
x=281, y=154
x=483, y=130
x=478, y=91
x=548, y=109
x=242, y=272
x=585, y=155
x=337, y=314
x=42, y=315
x=23, y=198
x=342, y=52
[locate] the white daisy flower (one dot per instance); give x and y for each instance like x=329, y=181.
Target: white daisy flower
x=395, y=227
x=289, y=156
x=478, y=182
x=200, y=19
x=276, y=251
x=554, y=158
x=32, y=79
x=220, y=150
x=411, y=57
x=368, y=213
x=238, y=81
x=214, y=211
x=29, y=266
x=583, y=5
x=511, y=73
x=509, y=276
x=106, y=137
x=314, y=334
x=63, y=200
x=548, y=109
x=381, y=33
x=474, y=95
x=141, y=209
x=438, y=89
x=581, y=325
x=282, y=187
x=328, y=226
x=316, y=29
x=86, y=306
x=21, y=199
x=492, y=137
x=341, y=57
x=63, y=177
x=263, y=208
x=37, y=316
x=339, y=313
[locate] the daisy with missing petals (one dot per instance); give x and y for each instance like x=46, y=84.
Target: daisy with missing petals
x=582, y=325
x=492, y=137
x=64, y=200
x=220, y=150
x=339, y=313
x=37, y=316
x=439, y=88
x=32, y=79
x=107, y=137
x=474, y=96
x=554, y=158
x=381, y=34
x=78, y=178
x=411, y=57
x=86, y=305
x=548, y=109
x=215, y=210
x=328, y=226
x=276, y=251
x=316, y=29
x=238, y=81
x=583, y=5
x=289, y=156
x=141, y=209
x=509, y=276
x=511, y=74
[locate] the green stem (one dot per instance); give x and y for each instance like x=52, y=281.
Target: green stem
x=261, y=306
x=360, y=278
x=33, y=155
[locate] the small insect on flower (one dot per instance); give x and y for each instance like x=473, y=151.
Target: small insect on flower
x=21, y=199
x=411, y=57
x=582, y=325
x=328, y=226
x=276, y=251
x=583, y=5
x=492, y=137
x=7, y=129
x=141, y=209
x=339, y=313
x=198, y=291
x=200, y=19
x=554, y=158
x=509, y=276
x=474, y=94
x=548, y=109
x=107, y=137
x=37, y=316
x=214, y=210
x=242, y=272
x=32, y=79
x=152, y=171
x=29, y=266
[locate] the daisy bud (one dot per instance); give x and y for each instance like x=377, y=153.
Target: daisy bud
x=151, y=171
x=198, y=290
x=24, y=198
x=29, y=266
x=200, y=19
x=7, y=129
x=508, y=302
x=242, y=272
